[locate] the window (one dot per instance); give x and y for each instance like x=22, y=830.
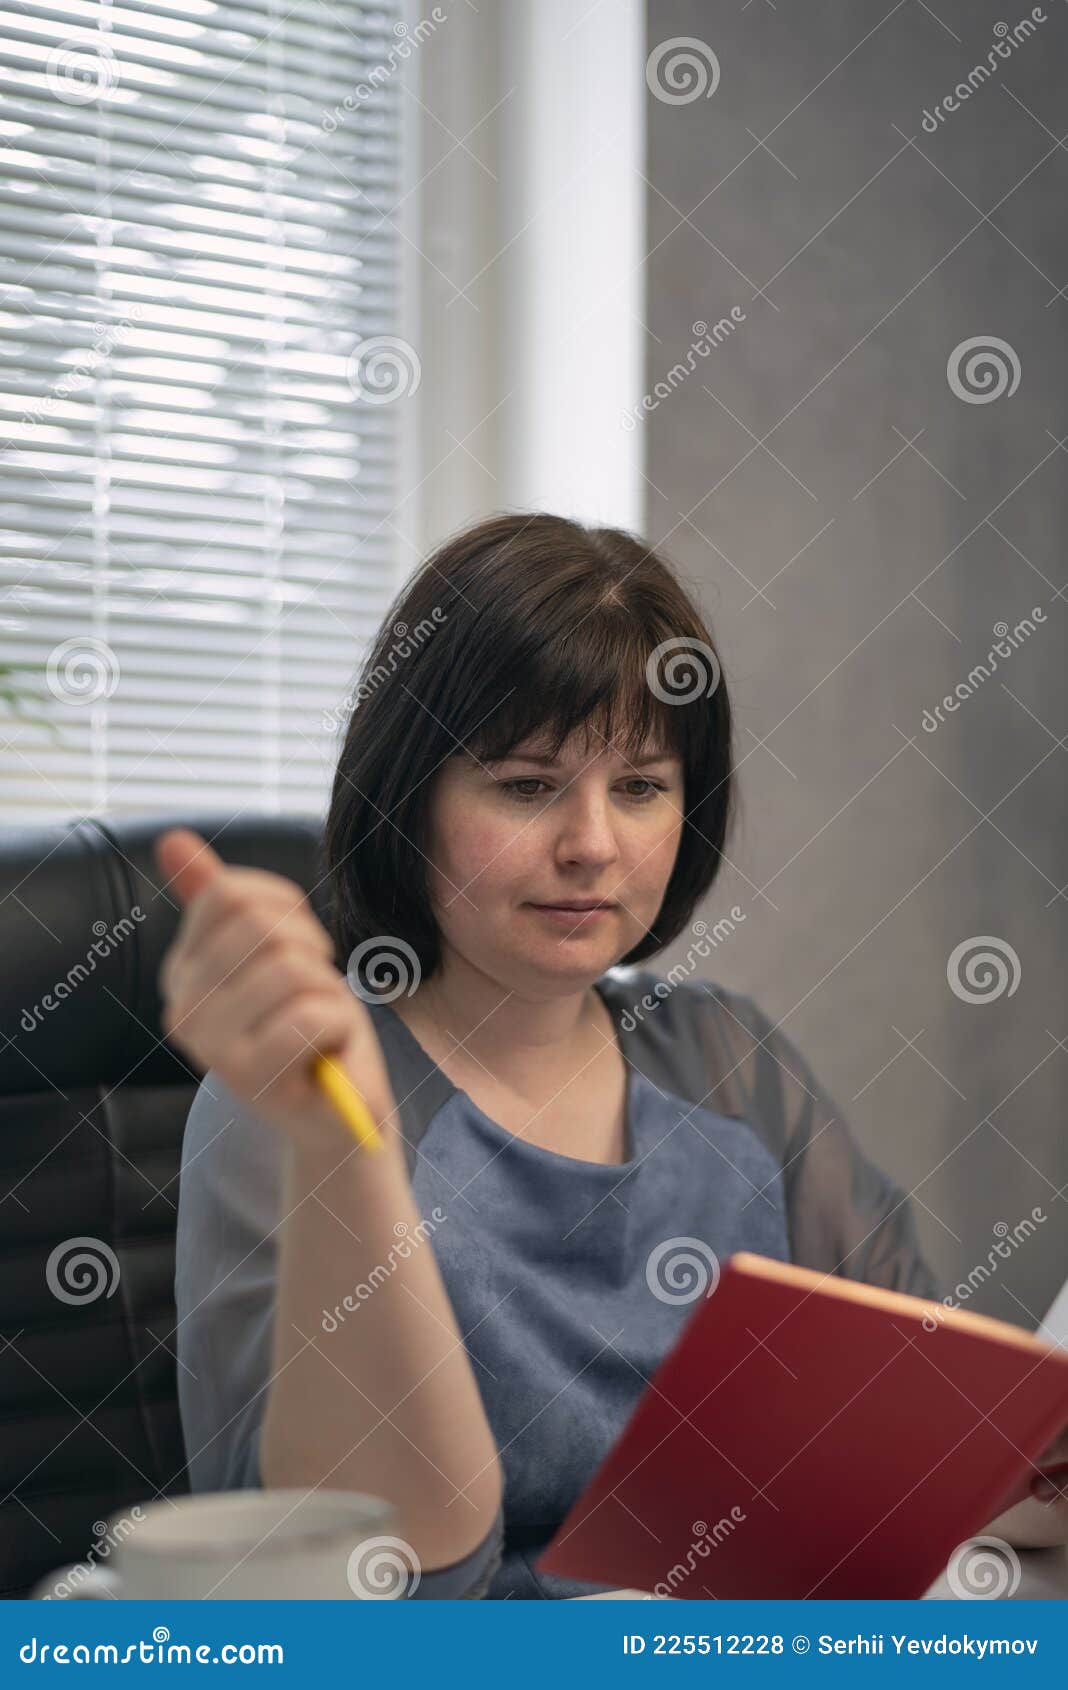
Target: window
x=204, y=393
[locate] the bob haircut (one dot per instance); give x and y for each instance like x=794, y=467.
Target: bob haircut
x=526, y=624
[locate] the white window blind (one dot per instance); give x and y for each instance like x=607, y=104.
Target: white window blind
x=197, y=471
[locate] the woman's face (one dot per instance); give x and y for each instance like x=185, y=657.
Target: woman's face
x=510, y=838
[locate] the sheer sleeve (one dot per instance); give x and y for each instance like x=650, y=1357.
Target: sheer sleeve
x=229, y=1215
x=845, y=1215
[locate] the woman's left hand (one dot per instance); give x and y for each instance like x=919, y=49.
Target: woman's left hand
x=1051, y=1485
x=1036, y=1515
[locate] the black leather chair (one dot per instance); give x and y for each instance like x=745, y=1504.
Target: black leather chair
x=93, y=1104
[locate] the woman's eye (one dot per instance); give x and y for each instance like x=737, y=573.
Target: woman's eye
x=512, y=788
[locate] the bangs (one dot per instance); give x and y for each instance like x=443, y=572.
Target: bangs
x=592, y=682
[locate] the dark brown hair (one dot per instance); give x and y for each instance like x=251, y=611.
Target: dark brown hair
x=525, y=623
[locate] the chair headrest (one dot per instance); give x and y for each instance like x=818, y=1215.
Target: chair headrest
x=84, y=925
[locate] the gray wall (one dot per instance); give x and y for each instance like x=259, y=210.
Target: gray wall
x=855, y=529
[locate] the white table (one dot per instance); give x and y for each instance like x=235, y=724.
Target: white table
x=1043, y=1578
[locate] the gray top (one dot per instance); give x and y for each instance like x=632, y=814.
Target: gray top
x=570, y=1280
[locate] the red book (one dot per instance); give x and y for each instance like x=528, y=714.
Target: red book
x=812, y=1436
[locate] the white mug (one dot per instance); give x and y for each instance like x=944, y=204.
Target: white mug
x=265, y=1544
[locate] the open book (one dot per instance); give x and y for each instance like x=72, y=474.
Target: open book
x=812, y=1436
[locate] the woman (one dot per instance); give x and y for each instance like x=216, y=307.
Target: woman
x=464, y=1324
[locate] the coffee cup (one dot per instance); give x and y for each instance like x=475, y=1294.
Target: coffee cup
x=269, y=1545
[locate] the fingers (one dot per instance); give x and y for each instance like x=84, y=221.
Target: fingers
x=229, y=911
x=186, y=862
x=1051, y=1485
x=234, y=892
x=252, y=925
x=1056, y=1453
x=250, y=988
x=196, y=873
x=274, y=1058
x=214, y=999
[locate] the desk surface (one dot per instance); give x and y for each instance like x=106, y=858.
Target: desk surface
x=1043, y=1578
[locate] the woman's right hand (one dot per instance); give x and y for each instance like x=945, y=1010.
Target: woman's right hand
x=250, y=990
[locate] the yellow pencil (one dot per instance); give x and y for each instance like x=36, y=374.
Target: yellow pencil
x=350, y=1106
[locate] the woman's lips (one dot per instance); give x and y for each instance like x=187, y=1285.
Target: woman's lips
x=573, y=918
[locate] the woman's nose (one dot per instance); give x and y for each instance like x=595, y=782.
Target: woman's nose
x=587, y=832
